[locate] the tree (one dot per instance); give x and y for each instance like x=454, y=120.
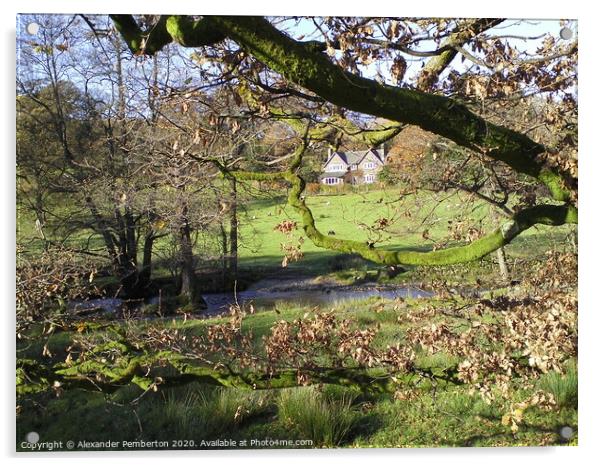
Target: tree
x=89, y=150
x=178, y=160
x=311, y=71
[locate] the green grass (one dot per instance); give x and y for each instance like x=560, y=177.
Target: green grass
x=328, y=415
x=347, y=215
x=445, y=415
x=453, y=417
x=562, y=385
x=328, y=422
x=198, y=412
x=188, y=412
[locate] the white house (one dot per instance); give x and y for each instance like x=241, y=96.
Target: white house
x=354, y=167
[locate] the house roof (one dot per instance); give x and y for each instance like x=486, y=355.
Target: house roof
x=354, y=157
x=332, y=175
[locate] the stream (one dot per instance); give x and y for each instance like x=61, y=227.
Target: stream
x=268, y=297
x=266, y=294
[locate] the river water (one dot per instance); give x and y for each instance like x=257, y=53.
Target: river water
x=265, y=294
x=270, y=298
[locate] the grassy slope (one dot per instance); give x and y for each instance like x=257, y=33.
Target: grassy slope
x=346, y=214
x=447, y=416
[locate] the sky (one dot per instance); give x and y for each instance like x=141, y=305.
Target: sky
x=306, y=28
x=515, y=27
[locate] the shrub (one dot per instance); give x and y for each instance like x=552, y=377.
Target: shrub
x=387, y=176
x=45, y=283
x=312, y=188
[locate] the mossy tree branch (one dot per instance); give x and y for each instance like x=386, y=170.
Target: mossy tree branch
x=312, y=70
x=34, y=377
x=545, y=214
x=180, y=29
x=438, y=114
x=329, y=130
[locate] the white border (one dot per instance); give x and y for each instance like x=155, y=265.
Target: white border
x=589, y=325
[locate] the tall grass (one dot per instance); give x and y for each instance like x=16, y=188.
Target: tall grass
x=564, y=387
x=328, y=422
x=195, y=413
x=228, y=408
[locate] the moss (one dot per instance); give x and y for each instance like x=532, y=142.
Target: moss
x=190, y=33
x=147, y=42
x=543, y=214
x=523, y=220
x=180, y=29
x=308, y=68
x=335, y=125
x=557, y=185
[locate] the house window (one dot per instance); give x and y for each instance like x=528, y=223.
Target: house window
x=369, y=165
x=336, y=168
x=354, y=166
x=332, y=180
x=369, y=178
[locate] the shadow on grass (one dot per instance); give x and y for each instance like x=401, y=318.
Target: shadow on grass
x=526, y=432
x=266, y=202
x=313, y=263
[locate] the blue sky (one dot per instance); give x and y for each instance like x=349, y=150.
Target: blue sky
x=515, y=27
x=528, y=28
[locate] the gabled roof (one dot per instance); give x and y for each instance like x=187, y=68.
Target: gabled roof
x=333, y=155
x=332, y=175
x=356, y=157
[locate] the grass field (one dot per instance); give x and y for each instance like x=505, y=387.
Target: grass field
x=347, y=215
x=437, y=414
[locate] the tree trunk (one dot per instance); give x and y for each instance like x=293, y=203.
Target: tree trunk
x=124, y=266
x=500, y=253
x=501, y=260
x=224, y=238
x=40, y=219
x=188, y=287
x=147, y=257
x=134, y=282
x=233, y=259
